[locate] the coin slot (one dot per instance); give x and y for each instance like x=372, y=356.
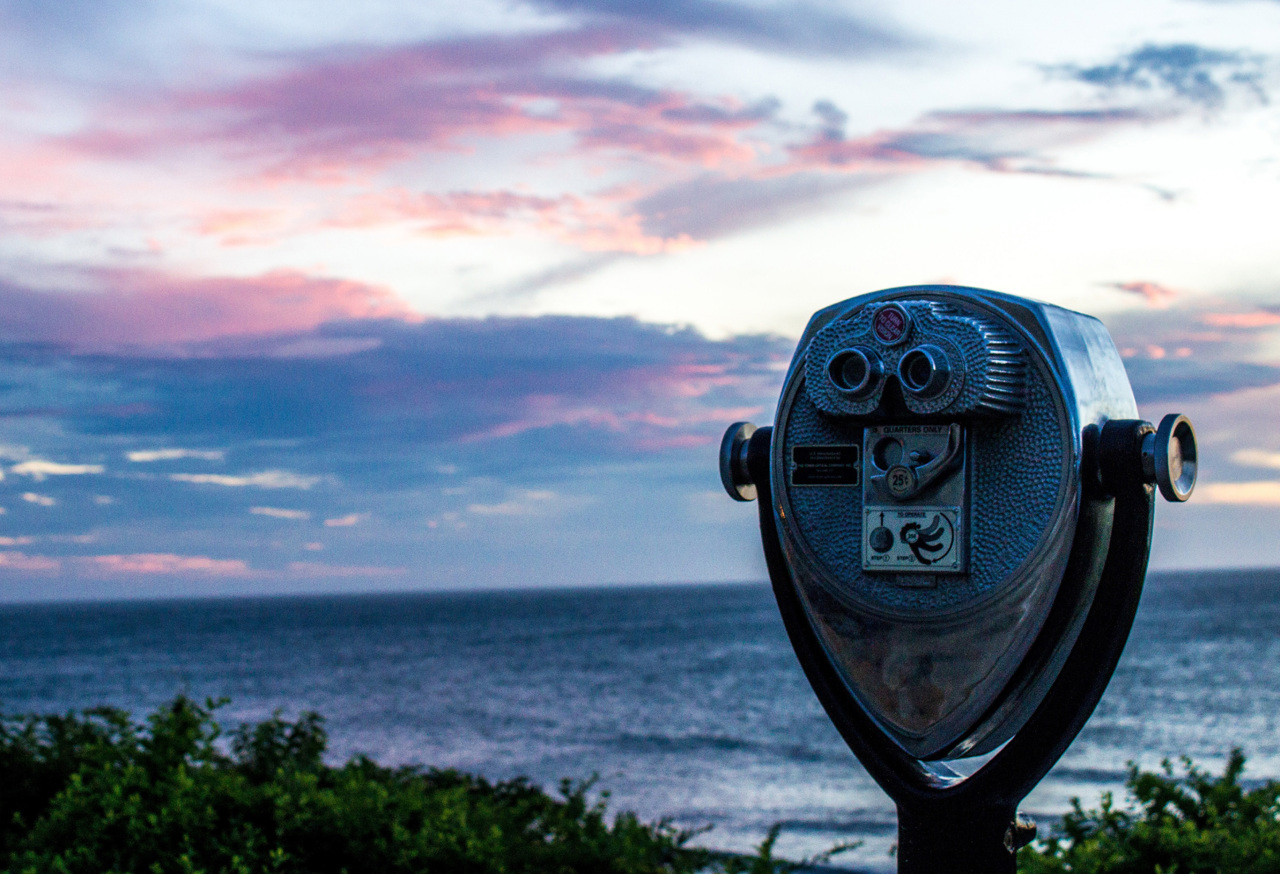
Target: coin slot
x=886, y=453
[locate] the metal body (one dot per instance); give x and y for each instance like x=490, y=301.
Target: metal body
x=929, y=582
x=956, y=504
x=969, y=825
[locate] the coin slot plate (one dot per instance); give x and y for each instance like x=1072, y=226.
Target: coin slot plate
x=927, y=533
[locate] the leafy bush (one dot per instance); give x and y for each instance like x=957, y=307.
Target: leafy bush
x=1186, y=823
x=98, y=793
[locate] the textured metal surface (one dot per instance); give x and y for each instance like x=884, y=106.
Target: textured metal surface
x=1018, y=470
x=934, y=658
x=988, y=364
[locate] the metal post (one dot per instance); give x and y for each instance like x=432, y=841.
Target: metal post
x=963, y=838
x=970, y=826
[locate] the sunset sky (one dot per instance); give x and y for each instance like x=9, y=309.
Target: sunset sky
x=321, y=296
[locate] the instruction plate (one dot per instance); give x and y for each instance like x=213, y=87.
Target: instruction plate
x=912, y=539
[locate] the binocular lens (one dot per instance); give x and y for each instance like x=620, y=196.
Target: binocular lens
x=854, y=370
x=925, y=371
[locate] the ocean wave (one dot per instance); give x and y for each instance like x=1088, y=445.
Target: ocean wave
x=701, y=743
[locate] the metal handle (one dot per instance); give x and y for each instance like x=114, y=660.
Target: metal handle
x=1131, y=449
x=734, y=474
x=1169, y=457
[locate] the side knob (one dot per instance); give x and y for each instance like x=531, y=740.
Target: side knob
x=733, y=462
x=1169, y=457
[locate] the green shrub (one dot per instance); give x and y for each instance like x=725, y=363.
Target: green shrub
x=98, y=793
x=1186, y=823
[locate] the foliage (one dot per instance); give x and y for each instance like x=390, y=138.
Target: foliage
x=1186, y=823
x=97, y=793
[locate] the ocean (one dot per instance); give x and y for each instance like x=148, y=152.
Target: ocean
x=686, y=700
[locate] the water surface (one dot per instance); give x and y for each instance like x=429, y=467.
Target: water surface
x=687, y=701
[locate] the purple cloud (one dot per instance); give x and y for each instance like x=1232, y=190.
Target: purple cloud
x=360, y=440
x=144, y=310
x=333, y=114
x=618, y=385
x=1191, y=348
x=998, y=140
x=800, y=28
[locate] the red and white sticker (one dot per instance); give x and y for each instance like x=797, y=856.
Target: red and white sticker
x=890, y=324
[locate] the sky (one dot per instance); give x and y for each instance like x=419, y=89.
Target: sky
x=326, y=297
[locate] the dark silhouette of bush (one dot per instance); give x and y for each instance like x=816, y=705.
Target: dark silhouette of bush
x=1188, y=823
x=97, y=793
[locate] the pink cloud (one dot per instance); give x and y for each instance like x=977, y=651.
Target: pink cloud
x=1259, y=319
x=878, y=151
x=141, y=308
x=313, y=569
x=613, y=381
x=344, y=117
x=1264, y=493
x=1156, y=295
x=40, y=219
x=326, y=117
x=661, y=443
x=597, y=223
x=334, y=118
x=20, y=561
x=346, y=521
x=168, y=563
x=624, y=403
x=243, y=227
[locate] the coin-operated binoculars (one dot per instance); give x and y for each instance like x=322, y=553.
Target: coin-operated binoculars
x=956, y=501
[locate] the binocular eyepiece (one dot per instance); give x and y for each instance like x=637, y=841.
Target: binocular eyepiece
x=923, y=372
x=857, y=371
x=914, y=358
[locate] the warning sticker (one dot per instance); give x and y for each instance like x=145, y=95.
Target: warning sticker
x=918, y=539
